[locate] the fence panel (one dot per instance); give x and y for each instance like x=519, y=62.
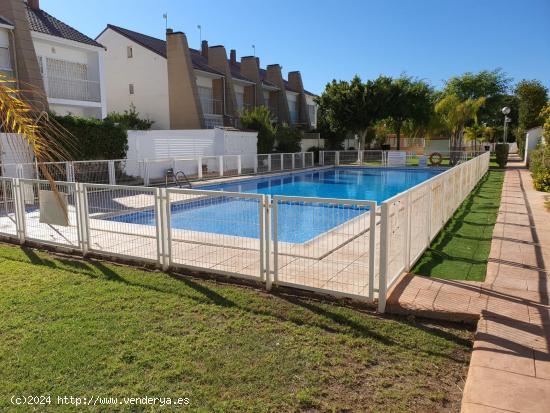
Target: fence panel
x=287, y=161
x=230, y=165
x=349, y=157
x=264, y=163
x=94, y=172
x=276, y=160
x=309, y=160
x=373, y=158
x=216, y=232
x=325, y=245
x=211, y=166
x=329, y=158
x=298, y=160
x=122, y=221
x=8, y=215
x=189, y=166
x=38, y=199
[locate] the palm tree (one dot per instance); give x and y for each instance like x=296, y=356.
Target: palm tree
x=34, y=134
x=455, y=114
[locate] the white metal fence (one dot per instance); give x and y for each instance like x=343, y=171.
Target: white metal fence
x=349, y=248
x=152, y=172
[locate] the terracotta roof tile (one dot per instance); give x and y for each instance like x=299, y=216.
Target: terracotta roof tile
x=42, y=22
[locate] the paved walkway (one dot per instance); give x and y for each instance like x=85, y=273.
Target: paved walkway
x=510, y=364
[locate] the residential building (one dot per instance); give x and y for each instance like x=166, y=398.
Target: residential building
x=179, y=87
x=58, y=67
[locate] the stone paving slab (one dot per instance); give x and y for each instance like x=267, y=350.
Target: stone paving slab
x=510, y=363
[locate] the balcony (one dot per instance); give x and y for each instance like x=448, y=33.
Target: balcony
x=71, y=89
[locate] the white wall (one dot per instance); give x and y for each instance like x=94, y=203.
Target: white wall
x=169, y=144
x=532, y=138
x=146, y=70
x=13, y=150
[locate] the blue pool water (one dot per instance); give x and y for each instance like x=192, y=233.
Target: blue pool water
x=298, y=222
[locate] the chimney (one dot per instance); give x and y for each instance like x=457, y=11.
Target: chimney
x=34, y=4
x=233, y=56
x=169, y=31
x=204, y=48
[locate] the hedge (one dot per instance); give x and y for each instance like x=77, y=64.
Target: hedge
x=539, y=165
x=93, y=138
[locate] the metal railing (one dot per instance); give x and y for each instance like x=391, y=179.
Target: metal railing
x=72, y=89
x=153, y=171
x=347, y=248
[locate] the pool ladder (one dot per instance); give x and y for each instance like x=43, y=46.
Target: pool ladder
x=179, y=178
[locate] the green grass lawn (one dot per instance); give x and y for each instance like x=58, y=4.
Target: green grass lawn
x=461, y=249
x=79, y=328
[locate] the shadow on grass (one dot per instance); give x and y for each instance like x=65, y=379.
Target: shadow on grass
x=471, y=225
x=330, y=318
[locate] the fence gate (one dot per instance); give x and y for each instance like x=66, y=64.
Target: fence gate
x=325, y=245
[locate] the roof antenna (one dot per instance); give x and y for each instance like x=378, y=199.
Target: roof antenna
x=165, y=17
x=200, y=33
x=254, y=47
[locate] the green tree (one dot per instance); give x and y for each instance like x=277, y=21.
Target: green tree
x=288, y=139
x=352, y=107
x=493, y=85
x=409, y=102
x=260, y=119
x=532, y=97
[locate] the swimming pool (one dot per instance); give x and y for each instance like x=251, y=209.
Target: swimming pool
x=298, y=222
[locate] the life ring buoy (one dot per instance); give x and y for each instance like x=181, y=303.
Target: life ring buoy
x=436, y=158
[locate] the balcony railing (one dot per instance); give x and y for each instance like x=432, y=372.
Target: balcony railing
x=84, y=90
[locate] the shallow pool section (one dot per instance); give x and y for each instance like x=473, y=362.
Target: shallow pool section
x=298, y=222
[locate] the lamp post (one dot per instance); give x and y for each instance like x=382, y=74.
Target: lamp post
x=506, y=111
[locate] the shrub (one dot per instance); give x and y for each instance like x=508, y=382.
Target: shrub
x=259, y=119
x=539, y=165
x=130, y=120
x=94, y=138
x=315, y=150
x=288, y=139
x=501, y=152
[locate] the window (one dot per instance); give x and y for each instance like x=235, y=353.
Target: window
x=293, y=111
x=129, y=52
x=131, y=88
x=312, y=114
x=240, y=100
x=206, y=97
x=5, y=63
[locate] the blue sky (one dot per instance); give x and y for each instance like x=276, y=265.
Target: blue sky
x=428, y=39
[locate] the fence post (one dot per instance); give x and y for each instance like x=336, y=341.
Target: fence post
x=82, y=219
x=337, y=158
x=256, y=163
x=19, y=200
x=321, y=158
x=293, y=162
x=161, y=209
x=282, y=163
x=268, y=279
x=239, y=164
x=112, y=175
x=408, y=232
x=145, y=172
x=69, y=171
x=199, y=167
x=372, y=249
x=36, y=171
x=303, y=159
x=220, y=162
x=269, y=163
x=384, y=252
